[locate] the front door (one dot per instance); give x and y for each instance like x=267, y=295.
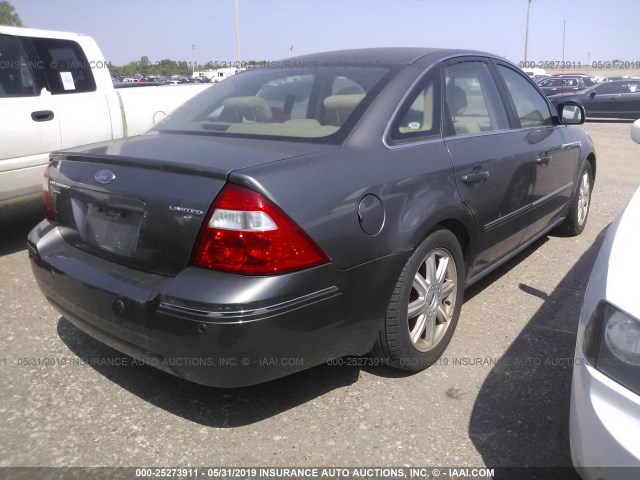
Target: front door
x=551, y=151
x=29, y=127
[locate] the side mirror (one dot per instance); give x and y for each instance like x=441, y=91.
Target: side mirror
x=635, y=131
x=593, y=94
x=571, y=113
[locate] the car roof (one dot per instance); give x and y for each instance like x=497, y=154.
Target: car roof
x=39, y=33
x=383, y=56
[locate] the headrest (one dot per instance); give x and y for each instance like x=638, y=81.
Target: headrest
x=343, y=103
x=456, y=99
x=249, y=106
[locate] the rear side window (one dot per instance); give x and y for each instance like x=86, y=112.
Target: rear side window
x=420, y=116
x=65, y=66
x=472, y=99
x=16, y=76
x=531, y=107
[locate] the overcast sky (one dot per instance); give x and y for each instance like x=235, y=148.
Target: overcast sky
x=204, y=30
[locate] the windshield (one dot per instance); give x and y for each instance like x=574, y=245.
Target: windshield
x=314, y=104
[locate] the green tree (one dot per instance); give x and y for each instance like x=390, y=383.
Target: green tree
x=9, y=16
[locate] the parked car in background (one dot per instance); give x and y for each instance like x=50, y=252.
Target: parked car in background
x=535, y=73
x=564, y=83
x=287, y=216
x=56, y=92
x=605, y=393
x=617, y=99
x=119, y=85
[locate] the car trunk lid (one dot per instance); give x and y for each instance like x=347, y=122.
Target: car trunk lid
x=141, y=202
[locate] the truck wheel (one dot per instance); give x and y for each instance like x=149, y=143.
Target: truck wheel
x=578, y=212
x=424, y=308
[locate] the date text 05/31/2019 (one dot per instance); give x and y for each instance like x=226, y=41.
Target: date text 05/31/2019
x=600, y=64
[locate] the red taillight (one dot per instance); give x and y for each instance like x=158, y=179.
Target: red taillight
x=246, y=233
x=46, y=196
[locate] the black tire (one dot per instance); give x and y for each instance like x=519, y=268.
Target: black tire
x=578, y=213
x=399, y=343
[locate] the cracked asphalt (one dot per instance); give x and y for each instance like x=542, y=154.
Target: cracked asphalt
x=498, y=397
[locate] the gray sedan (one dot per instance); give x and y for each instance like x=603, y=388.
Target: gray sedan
x=327, y=205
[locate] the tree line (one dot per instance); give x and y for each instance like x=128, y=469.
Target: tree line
x=146, y=67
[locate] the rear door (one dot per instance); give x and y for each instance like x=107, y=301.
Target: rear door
x=546, y=146
x=29, y=128
x=493, y=168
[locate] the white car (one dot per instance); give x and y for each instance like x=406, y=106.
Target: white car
x=605, y=393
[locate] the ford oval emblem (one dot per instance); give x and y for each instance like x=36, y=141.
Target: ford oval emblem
x=105, y=176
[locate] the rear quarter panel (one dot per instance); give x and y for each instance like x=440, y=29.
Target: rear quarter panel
x=322, y=193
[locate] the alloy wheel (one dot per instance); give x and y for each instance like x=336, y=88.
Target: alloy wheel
x=432, y=299
x=584, y=196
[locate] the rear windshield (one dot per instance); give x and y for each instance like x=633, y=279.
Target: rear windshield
x=315, y=104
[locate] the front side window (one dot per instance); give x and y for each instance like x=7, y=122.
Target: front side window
x=16, y=76
x=610, y=88
x=531, y=107
x=472, y=99
x=310, y=104
x=65, y=66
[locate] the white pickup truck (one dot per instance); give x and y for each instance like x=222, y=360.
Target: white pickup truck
x=56, y=92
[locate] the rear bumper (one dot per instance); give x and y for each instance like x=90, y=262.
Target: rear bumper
x=216, y=328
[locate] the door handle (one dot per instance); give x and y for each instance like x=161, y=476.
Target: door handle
x=42, y=116
x=475, y=177
x=543, y=159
